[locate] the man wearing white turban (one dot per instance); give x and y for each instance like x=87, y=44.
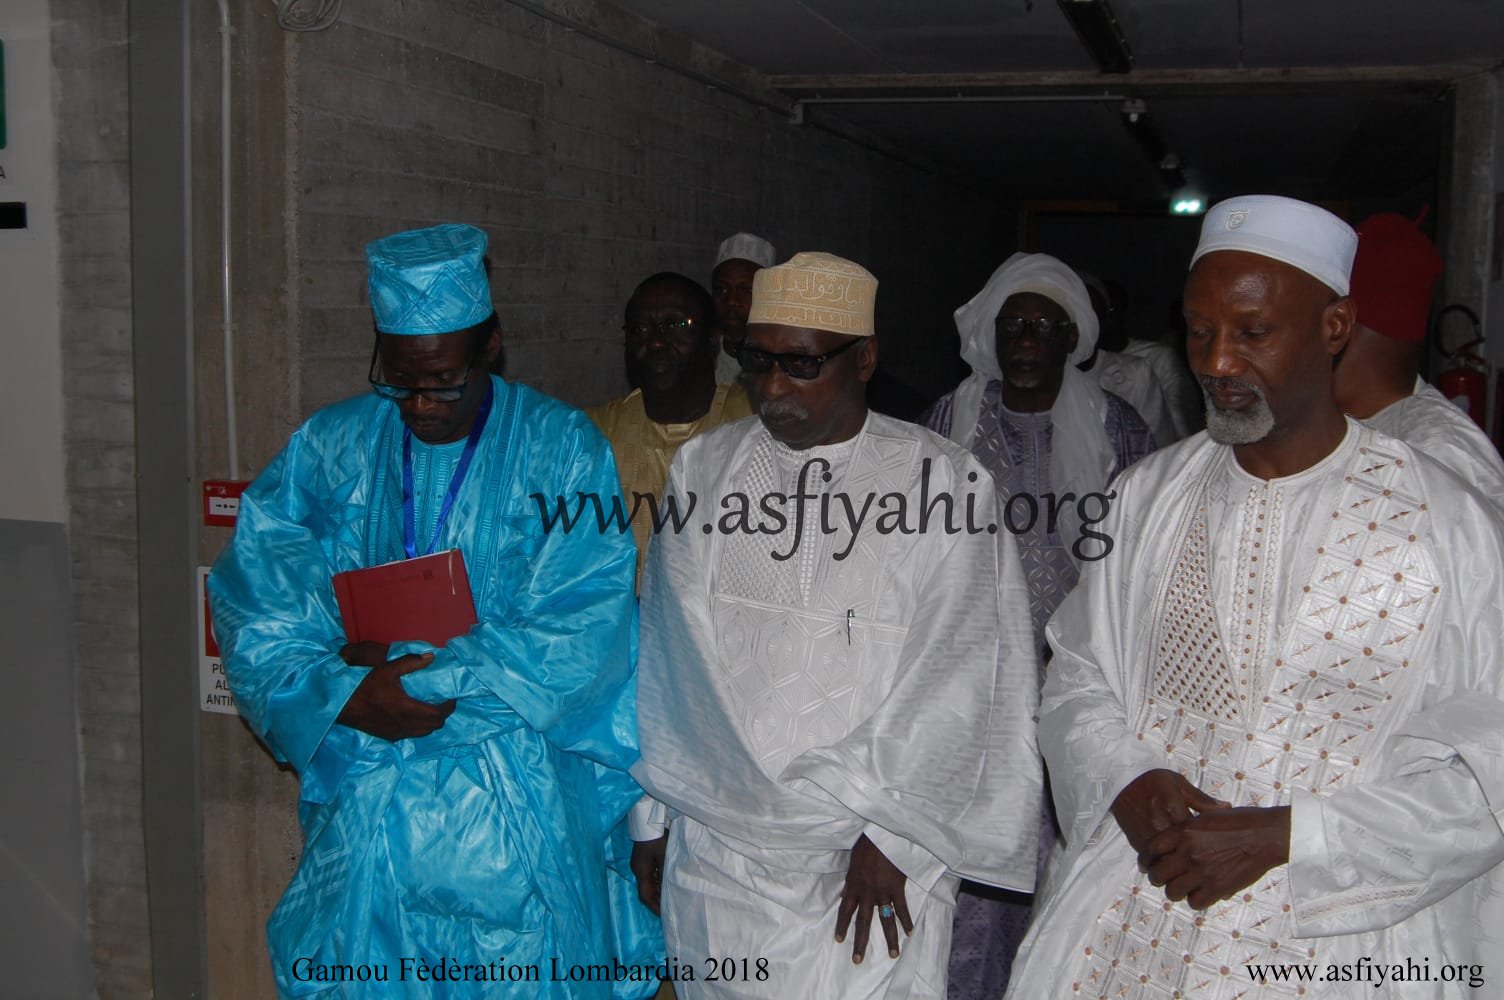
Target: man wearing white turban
x=1040, y=426
x=1272, y=718
x=1052, y=439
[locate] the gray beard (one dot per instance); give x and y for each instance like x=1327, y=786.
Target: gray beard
x=1248, y=426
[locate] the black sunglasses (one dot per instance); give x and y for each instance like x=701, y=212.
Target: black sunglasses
x=1042, y=326
x=800, y=366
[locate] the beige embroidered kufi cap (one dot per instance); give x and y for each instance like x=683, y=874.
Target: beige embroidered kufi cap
x=817, y=291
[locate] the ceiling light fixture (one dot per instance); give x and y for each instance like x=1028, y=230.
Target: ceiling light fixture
x=1140, y=125
x=1099, y=31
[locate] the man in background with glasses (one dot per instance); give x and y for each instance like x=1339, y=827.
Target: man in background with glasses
x=1051, y=437
x=461, y=803
x=670, y=352
x=837, y=676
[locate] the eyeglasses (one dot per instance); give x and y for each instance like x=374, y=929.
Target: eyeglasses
x=668, y=329
x=432, y=393
x=800, y=366
x=1042, y=326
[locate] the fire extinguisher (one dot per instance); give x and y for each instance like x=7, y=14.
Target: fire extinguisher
x=1465, y=380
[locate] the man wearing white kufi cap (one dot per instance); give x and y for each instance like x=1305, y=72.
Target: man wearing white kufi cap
x=837, y=676
x=1052, y=437
x=463, y=802
x=737, y=261
x=1272, y=719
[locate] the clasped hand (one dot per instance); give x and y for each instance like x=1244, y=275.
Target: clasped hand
x=380, y=705
x=647, y=867
x=1200, y=849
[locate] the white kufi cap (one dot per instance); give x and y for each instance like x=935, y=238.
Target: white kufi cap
x=745, y=246
x=1293, y=232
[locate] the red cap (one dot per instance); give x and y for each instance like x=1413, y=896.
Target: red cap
x=1394, y=273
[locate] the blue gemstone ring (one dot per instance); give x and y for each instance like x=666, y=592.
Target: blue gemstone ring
x=885, y=911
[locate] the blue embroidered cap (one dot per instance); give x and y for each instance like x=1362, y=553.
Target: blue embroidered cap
x=428, y=281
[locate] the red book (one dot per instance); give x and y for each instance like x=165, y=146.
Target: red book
x=427, y=598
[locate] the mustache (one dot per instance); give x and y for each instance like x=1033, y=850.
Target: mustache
x=1215, y=383
x=783, y=409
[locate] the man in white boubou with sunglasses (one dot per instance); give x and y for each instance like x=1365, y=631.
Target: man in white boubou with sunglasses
x=837, y=676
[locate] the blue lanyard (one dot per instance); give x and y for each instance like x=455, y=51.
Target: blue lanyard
x=409, y=512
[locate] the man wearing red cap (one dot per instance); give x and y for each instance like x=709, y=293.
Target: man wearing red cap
x=1394, y=271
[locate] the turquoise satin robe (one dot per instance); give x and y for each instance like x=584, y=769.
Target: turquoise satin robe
x=499, y=839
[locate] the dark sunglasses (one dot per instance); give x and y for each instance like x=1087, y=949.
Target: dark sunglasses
x=1043, y=326
x=800, y=366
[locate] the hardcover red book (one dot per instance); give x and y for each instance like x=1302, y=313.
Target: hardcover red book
x=427, y=598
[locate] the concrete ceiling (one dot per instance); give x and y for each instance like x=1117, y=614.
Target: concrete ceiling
x=1324, y=99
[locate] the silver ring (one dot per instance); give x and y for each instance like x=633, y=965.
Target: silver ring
x=885, y=911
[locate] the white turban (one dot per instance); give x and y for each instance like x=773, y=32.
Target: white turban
x=1081, y=457
x=1024, y=272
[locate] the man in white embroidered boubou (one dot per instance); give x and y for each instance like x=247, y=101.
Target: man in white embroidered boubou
x=839, y=728
x=1272, y=717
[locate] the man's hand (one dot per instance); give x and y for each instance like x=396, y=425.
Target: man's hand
x=382, y=707
x=872, y=882
x=1212, y=856
x=647, y=868
x=1156, y=801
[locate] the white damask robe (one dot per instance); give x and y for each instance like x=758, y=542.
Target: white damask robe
x=1328, y=641
x=1134, y=379
x=1435, y=426
x=789, y=706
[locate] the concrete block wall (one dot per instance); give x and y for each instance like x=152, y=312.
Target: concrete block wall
x=90, y=63
x=590, y=168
